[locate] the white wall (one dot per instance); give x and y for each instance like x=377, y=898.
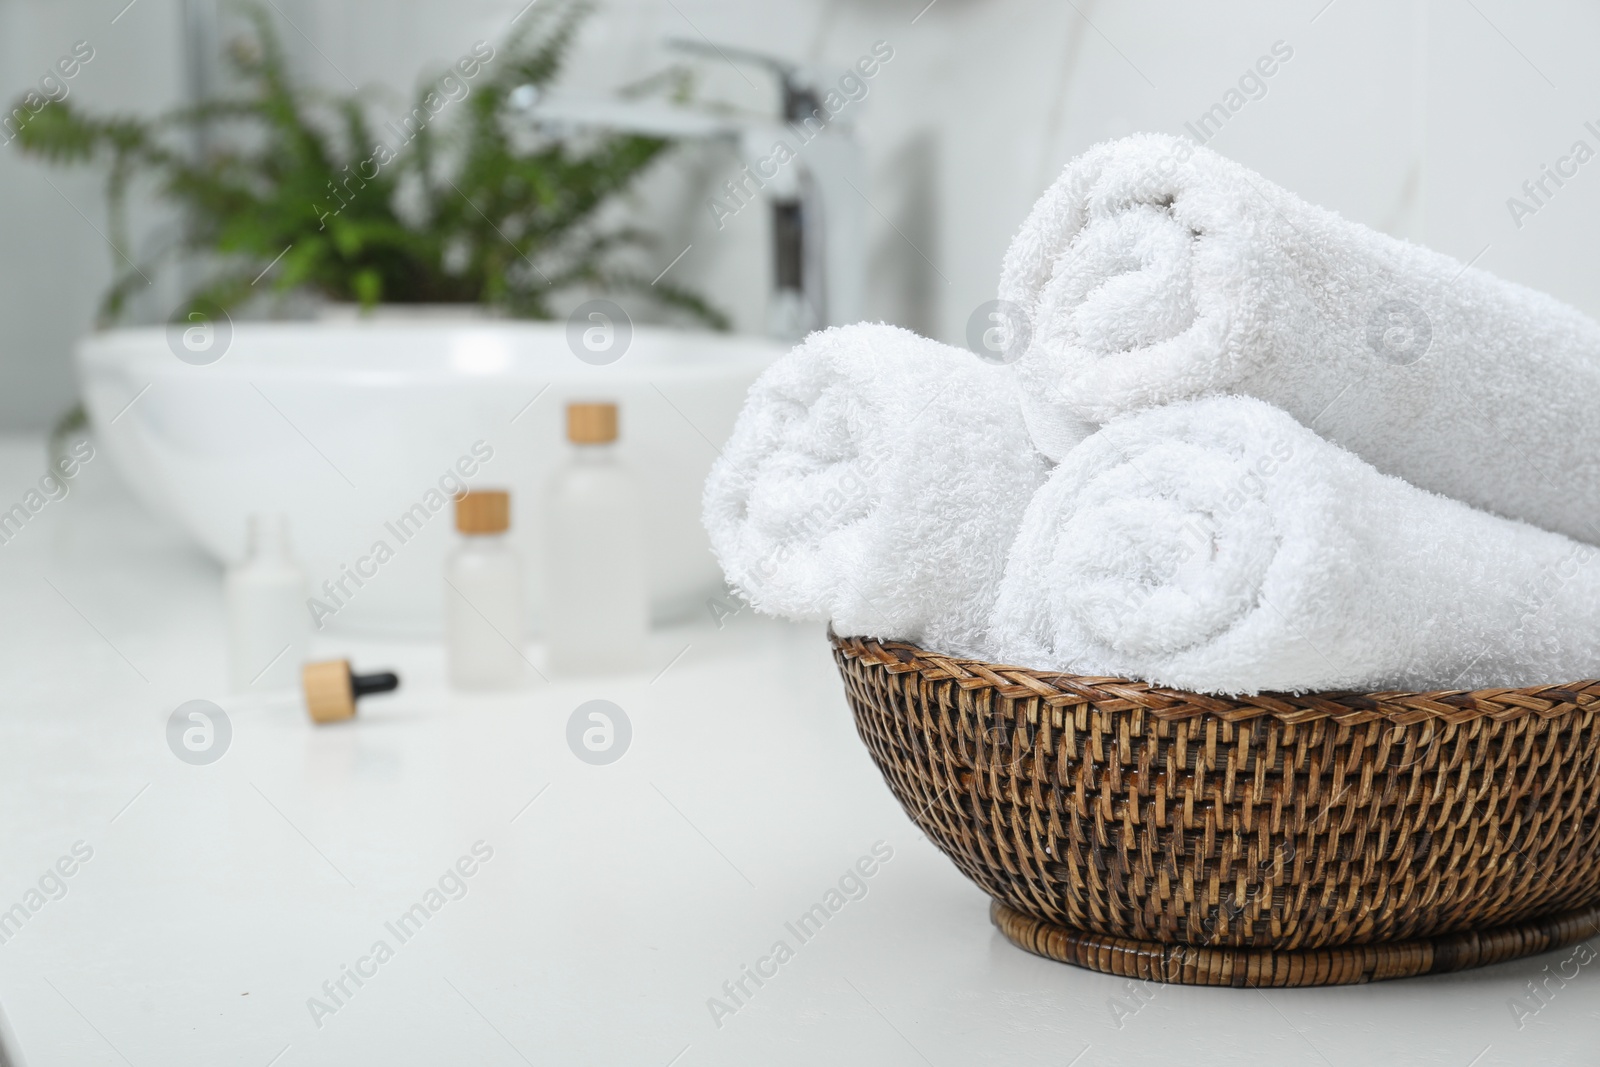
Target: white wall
x=1418, y=117
x=54, y=258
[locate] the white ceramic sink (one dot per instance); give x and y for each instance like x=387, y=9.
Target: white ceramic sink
x=346, y=426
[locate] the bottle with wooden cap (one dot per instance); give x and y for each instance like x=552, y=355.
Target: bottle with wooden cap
x=483, y=596
x=597, y=604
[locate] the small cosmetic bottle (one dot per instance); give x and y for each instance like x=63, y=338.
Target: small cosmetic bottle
x=597, y=603
x=268, y=626
x=483, y=596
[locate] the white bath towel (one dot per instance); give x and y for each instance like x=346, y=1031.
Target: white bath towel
x=1155, y=271
x=1218, y=545
x=875, y=478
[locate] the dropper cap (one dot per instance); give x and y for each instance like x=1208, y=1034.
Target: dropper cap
x=591, y=424
x=331, y=689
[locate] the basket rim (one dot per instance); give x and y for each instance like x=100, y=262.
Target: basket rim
x=1061, y=689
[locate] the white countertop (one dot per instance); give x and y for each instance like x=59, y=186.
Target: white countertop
x=219, y=898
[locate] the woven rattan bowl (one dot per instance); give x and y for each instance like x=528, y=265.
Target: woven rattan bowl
x=1275, y=840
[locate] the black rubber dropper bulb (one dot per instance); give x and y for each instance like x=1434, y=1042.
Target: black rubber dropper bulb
x=376, y=682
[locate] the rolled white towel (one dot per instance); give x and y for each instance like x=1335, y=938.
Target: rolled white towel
x=875, y=478
x=1217, y=545
x=1154, y=271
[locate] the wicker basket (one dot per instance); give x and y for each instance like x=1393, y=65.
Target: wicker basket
x=1266, y=841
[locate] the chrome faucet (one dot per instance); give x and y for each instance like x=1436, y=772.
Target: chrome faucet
x=805, y=164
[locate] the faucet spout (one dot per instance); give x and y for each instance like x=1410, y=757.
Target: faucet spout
x=803, y=162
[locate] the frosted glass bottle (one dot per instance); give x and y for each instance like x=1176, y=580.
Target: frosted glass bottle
x=483, y=596
x=596, y=613
x=268, y=626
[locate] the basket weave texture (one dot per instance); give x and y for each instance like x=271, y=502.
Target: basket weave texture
x=1137, y=829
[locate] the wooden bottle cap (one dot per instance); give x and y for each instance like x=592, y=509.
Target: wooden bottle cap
x=483, y=511
x=591, y=424
x=329, y=697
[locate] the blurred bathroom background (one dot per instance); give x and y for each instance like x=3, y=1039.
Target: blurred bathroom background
x=1420, y=118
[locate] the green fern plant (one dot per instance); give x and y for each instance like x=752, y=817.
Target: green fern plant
x=300, y=193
